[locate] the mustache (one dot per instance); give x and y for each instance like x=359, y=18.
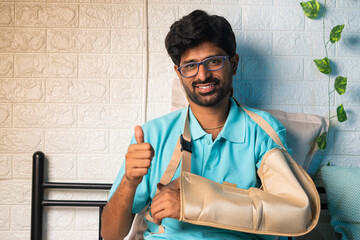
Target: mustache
x=208, y=80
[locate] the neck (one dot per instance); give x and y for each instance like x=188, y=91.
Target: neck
x=212, y=117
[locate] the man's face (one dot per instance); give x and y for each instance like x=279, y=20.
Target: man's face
x=207, y=88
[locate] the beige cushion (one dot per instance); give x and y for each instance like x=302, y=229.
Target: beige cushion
x=301, y=128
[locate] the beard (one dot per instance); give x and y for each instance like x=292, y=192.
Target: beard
x=208, y=99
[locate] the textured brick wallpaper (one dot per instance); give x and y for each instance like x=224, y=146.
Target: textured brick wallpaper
x=77, y=75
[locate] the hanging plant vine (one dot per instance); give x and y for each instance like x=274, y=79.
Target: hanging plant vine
x=311, y=10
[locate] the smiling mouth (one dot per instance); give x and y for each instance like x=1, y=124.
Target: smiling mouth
x=206, y=87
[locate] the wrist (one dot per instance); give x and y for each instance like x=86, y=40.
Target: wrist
x=130, y=184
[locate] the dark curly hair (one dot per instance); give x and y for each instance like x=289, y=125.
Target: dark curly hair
x=196, y=28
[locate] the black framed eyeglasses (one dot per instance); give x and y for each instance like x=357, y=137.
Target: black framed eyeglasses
x=211, y=64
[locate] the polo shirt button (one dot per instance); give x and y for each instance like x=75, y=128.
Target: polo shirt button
x=208, y=141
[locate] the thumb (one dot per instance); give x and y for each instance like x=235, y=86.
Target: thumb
x=139, y=134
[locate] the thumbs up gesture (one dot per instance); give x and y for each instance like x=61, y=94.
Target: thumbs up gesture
x=138, y=158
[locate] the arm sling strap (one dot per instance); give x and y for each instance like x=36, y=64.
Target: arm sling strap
x=286, y=204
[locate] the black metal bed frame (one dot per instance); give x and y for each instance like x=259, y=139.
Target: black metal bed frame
x=39, y=185
x=38, y=202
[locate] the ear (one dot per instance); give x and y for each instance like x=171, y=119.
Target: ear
x=234, y=63
x=177, y=72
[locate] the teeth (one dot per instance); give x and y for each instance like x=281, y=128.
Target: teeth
x=205, y=87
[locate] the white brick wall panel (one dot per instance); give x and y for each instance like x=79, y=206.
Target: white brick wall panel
x=86, y=235
x=159, y=90
x=109, y=116
x=5, y=115
x=300, y=44
x=45, y=65
x=162, y=15
x=157, y=109
x=115, y=16
x=83, y=41
x=20, y=217
x=61, y=167
x=22, y=40
x=48, y=116
x=15, y=192
x=161, y=66
x=337, y=16
x=126, y=91
x=14, y=235
x=4, y=217
x=59, y=218
x=21, y=90
x=347, y=143
x=349, y=4
x=22, y=166
x=7, y=14
x=114, y=66
x=253, y=93
x=77, y=91
x=127, y=41
x=101, y=167
x=157, y=40
x=300, y=93
x=232, y=13
x=348, y=46
x=58, y=234
x=6, y=65
x=46, y=15
x=5, y=170
x=79, y=194
x=329, y=3
x=128, y=16
x=276, y=68
x=62, y=234
x=21, y=141
x=281, y=18
x=348, y=67
x=253, y=43
x=87, y=218
x=183, y=1
x=120, y=140
x=76, y=141
x=255, y=2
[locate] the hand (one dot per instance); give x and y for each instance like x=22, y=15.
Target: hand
x=138, y=158
x=165, y=204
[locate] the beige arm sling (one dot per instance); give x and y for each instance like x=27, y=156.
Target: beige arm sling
x=287, y=204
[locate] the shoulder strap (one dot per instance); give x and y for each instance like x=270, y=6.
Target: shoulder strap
x=265, y=126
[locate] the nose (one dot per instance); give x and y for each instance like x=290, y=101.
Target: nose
x=203, y=73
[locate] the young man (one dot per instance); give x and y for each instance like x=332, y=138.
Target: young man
x=226, y=144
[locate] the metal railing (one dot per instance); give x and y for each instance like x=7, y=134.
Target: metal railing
x=38, y=202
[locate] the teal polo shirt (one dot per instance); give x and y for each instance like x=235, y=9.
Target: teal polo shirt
x=234, y=156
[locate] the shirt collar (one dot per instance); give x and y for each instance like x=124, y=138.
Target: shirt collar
x=234, y=128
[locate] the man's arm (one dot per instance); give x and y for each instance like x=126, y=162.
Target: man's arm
x=117, y=216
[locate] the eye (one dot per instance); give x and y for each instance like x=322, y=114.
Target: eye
x=190, y=66
x=214, y=61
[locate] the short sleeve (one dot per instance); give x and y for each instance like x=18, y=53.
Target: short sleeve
x=142, y=197
x=266, y=144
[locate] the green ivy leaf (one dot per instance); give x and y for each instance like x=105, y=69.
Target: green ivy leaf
x=335, y=34
x=323, y=65
x=341, y=114
x=340, y=85
x=321, y=141
x=311, y=8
